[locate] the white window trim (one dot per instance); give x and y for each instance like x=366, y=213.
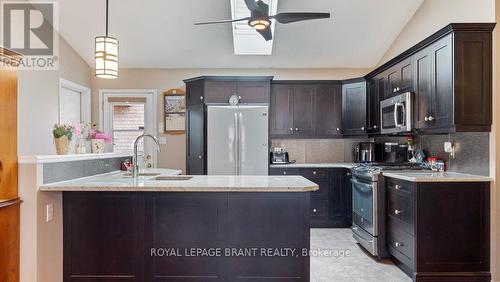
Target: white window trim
x=86, y=106
x=150, y=110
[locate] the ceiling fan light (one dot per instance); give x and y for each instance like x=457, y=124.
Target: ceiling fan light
x=259, y=24
x=106, y=57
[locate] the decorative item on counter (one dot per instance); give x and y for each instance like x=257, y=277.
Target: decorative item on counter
x=436, y=164
x=62, y=136
x=81, y=132
x=419, y=156
x=98, y=139
x=410, y=141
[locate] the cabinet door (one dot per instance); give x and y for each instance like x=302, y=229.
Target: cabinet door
x=406, y=71
x=195, y=150
x=354, y=108
x=373, y=106
x=253, y=91
x=281, y=121
x=393, y=81
x=328, y=110
x=442, y=87
x=423, y=88
x=303, y=110
x=219, y=91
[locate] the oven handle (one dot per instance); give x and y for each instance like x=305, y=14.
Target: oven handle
x=359, y=185
x=354, y=229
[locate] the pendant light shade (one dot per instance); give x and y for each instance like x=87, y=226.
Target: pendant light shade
x=106, y=57
x=106, y=54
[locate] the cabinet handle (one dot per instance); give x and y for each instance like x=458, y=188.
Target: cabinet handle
x=284, y=172
x=348, y=174
x=398, y=244
x=291, y=129
x=296, y=129
x=363, y=128
x=397, y=212
x=314, y=172
x=397, y=88
x=201, y=97
x=338, y=129
x=397, y=187
x=431, y=118
x=375, y=126
x=200, y=157
x=426, y=118
x=394, y=90
x=314, y=210
x=239, y=97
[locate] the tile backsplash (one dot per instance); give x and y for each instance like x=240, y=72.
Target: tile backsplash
x=319, y=150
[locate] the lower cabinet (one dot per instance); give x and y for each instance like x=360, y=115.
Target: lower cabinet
x=331, y=205
x=439, y=231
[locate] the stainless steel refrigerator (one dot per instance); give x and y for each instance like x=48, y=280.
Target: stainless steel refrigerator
x=237, y=140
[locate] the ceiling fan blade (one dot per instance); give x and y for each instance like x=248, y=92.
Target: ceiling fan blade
x=252, y=5
x=223, y=21
x=297, y=17
x=266, y=33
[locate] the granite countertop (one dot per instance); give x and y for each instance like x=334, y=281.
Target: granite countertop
x=313, y=165
x=430, y=176
x=117, y=181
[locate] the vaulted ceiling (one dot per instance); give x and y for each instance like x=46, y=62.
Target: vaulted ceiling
x=161, y=34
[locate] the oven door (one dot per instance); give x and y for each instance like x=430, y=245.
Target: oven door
x=364, y=204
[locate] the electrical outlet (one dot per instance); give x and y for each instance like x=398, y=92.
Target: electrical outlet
x=449, y=148
x=50, y=212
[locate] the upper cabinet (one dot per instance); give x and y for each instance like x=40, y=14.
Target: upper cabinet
x=305, y=109
x=450, y=73
x=354, y=108
x=248, y=91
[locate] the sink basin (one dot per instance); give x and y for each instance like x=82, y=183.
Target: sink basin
x=142, y=174
x=173, y=177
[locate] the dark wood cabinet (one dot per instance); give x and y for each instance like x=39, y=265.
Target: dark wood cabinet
x=439, y=231
x=328, y=111
x=450, y=73
x=373, y=106
x=354, y=108
x=331, y=205
x=204, y=90
x=305, y=109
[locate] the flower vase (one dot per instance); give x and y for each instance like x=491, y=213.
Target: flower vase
x=97, y=146
x=62, y=145
x=81, y=147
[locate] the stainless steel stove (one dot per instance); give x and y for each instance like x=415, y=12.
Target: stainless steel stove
x=368, y=204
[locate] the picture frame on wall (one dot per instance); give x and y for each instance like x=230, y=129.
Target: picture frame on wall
x=174, y=111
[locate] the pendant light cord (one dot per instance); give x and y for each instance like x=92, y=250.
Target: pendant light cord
x=107, y=18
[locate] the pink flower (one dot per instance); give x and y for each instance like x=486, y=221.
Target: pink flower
x=77, y=129
x=104, y=136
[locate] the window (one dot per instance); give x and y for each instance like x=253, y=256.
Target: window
x=74, y=102
x=127, y=125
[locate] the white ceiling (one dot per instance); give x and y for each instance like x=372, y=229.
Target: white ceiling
x=160, y=33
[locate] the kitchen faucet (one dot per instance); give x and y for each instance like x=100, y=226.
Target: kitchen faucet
x=135, y=166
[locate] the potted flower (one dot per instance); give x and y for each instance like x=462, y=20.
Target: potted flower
x=81, y=133
x=98, y=139
x=62, y=136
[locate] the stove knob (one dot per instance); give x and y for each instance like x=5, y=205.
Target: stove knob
x=397, y=187
x=398, y=244
x=397, y=212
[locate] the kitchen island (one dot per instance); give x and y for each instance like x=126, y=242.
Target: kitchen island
x=177, y=228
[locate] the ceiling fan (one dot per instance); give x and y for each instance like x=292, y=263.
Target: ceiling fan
x=261, y=20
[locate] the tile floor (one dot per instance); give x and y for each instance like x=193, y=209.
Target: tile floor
x=356, y=265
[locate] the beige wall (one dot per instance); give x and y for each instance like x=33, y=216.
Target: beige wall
x=495, y=152
x=436, y=14
x=38, y=100
x=173, y=154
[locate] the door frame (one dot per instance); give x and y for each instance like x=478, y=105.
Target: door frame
x=149, y=110
x=85, y=99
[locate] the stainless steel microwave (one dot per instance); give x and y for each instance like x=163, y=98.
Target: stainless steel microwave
x=396, y=114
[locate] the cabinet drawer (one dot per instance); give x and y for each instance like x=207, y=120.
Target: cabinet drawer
x=400, y=187
x=319, y=208
x=314, y=172
x=324, y=187
x=400, y=209
x=401, y=245
x=283, y=171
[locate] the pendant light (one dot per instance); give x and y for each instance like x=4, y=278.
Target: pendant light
x=106, y=54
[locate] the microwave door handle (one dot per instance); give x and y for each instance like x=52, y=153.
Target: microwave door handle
x=404, y=114
x=396, y=124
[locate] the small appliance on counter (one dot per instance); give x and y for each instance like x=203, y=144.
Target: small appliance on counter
x=367, y=152
x=395, y=153
x=280, y=156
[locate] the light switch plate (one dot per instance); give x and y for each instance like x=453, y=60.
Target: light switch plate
x=162, y=140
x=448, y=147
x=50, y=212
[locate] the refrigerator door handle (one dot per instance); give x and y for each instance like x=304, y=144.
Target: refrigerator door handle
x=236, y=143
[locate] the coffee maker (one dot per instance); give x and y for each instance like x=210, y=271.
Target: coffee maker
x=367, y=152
x=395, y=153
